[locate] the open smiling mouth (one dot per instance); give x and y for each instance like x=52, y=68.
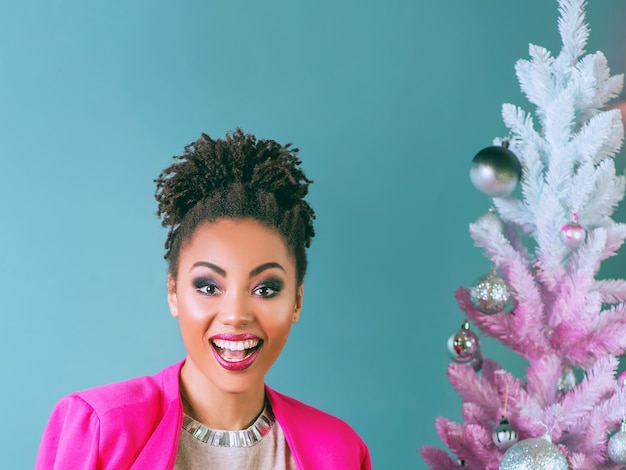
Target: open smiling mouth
x=236, y=355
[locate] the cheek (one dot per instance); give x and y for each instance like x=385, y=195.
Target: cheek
x=194, y=316
x=278, y=338
x=277, y=321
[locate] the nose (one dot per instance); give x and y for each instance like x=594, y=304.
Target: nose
x=236, y=310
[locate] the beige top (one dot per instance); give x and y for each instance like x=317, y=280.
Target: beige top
x=271, y=452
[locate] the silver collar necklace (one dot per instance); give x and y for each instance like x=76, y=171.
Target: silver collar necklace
x=243, y=438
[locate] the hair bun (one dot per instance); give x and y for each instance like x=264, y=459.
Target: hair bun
x=254, y=178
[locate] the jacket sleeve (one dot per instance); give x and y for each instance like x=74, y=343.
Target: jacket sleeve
x=366, y=462
x=70, y=439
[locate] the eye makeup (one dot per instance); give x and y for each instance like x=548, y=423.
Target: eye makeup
x=269, y=288
x=206, y=286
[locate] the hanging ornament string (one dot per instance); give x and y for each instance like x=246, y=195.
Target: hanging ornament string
x=506, y=397
x=621, y=395
x=504, y=435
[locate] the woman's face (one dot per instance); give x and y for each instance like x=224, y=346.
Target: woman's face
x=235, y=298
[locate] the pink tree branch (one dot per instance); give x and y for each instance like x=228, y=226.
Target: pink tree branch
x=613, y=291
x=542, y=378
x=476, y=414
x=501, y=326
x=438, y=459
x=616, y=234
x=607, y=337
x=471, y=443
x=473, y=388
x=597, y=385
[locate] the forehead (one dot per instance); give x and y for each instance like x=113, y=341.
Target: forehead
x=236, y=242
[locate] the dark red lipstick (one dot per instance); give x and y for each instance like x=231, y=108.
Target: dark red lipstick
x=235, y=352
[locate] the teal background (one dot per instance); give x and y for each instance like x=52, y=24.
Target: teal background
x=388, y=101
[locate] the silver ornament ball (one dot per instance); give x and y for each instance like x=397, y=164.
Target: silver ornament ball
x=504, y=435
x=491, y=222
x=463, y=345
x=490, y=294
x=536, y=453
x=617, y=447
x=573, y=235
x=495, y=171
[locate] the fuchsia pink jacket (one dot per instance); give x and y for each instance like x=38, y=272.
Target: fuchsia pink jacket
x=135, y=424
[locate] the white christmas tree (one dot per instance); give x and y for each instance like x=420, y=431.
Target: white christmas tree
x=546, y=247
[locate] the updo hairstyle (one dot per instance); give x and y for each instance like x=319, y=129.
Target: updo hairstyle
x=237, y=177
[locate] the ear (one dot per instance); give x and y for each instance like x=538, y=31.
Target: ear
x=171, y=296
x=298, y=306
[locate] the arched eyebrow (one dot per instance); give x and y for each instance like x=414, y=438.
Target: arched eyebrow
x=256, y=271
x=266, y=266
x=212, y=266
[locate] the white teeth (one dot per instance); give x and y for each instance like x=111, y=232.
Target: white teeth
x=235, y=345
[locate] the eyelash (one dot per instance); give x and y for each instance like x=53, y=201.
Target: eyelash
x=210, y=288
x=202, y=285
x=275, y=286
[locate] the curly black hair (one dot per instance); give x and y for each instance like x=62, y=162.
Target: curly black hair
x=237, y=177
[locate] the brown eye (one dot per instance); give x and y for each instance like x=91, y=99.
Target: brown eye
x=207, y=287
x=268, y=289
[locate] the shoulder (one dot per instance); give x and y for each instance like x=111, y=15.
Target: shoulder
x=138, y=391
x=337, y=445
x=143, y=397
x=110, y=426
x=288, y=406
x=111, y=423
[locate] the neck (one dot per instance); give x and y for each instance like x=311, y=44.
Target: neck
x=216, y=408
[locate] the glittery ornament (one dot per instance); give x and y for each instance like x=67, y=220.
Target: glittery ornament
x=567, y=379
x=617, y=445
x=463, y=345
x=496, y=171
x=490, y=221
x=536, y=453
x=504, y=435
x=621, y=379
x=490, y=294
x=573, y=234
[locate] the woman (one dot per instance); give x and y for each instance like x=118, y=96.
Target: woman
x=236, y=250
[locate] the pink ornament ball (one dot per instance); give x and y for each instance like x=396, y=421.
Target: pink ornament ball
x=573, y=235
